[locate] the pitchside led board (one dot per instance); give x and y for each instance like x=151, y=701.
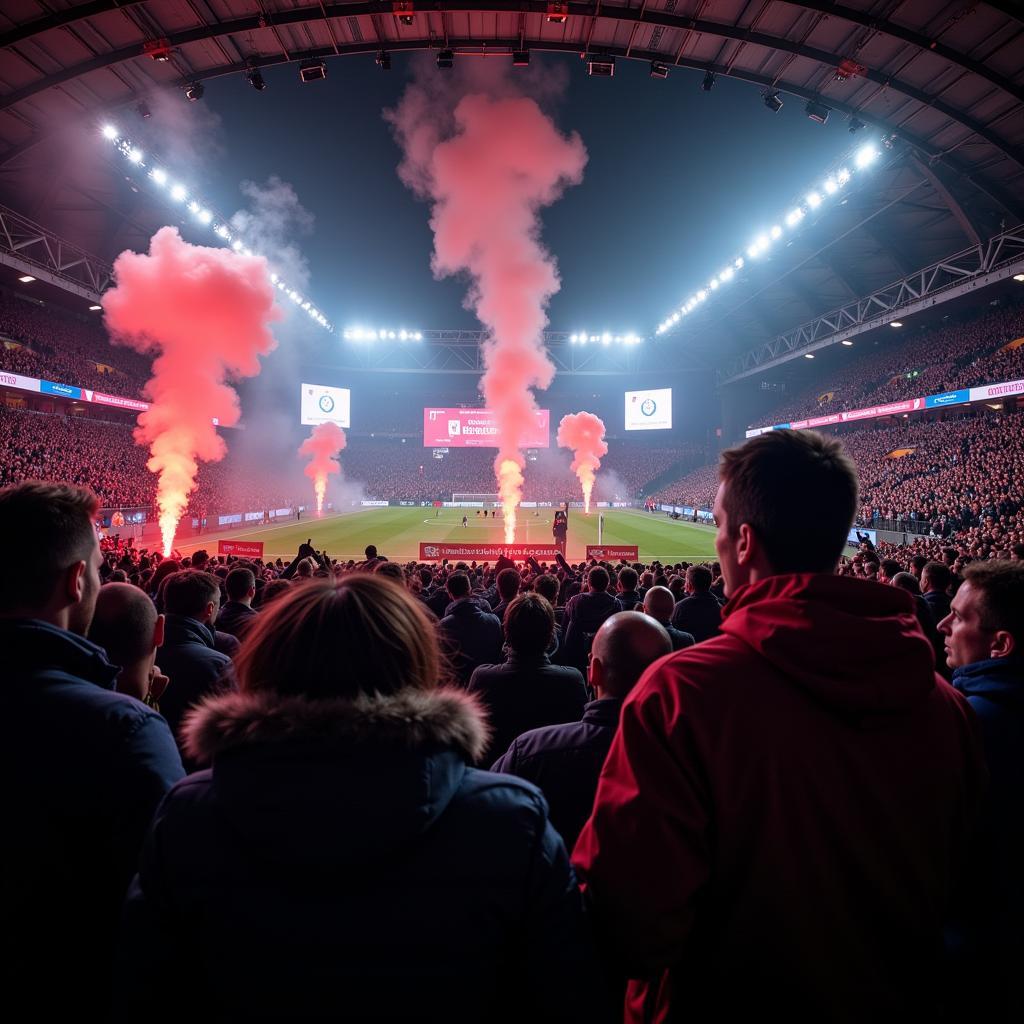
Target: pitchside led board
x=477, y=428
x=649, y=410
x=324, y=404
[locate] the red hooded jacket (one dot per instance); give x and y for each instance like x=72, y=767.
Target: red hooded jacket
x=782, y=813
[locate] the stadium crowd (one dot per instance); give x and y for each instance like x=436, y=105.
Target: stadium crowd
x=956, y=355
x=516, y=791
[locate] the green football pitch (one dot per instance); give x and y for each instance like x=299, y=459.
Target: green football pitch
x=398, y=532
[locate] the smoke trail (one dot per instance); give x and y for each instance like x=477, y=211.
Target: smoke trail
x=583, y=432
x=205, y=312
x=489, y=166
x=323, y=443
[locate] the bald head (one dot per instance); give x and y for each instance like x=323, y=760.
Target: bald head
x=623, y=647
x=126, y=625
x=659, y=603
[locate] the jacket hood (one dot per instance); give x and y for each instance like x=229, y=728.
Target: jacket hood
x=997, y=679
x=471, y=607
x=335, y=781
x=36, y=646
x=855, y=646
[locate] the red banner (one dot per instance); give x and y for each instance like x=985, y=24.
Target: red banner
x=477, y=428
x=485, y=552
x=611, y=552
x=241, y=548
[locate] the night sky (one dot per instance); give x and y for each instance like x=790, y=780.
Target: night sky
x=677, y=183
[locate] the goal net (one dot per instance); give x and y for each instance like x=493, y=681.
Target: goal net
x=483, y=499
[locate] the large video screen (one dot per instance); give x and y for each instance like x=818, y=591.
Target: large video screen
x=323, y=404
x=649, y=410
x=476, y=428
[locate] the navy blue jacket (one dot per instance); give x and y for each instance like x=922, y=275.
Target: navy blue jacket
x=630, y=601
x=470, y=637
x=235, y=618
x=194, y=667
x=526, y=693
x=995, y=690
x=584, y=614
x=341, y=861
x=700, y=615
x=565, y=762
x=86, y=768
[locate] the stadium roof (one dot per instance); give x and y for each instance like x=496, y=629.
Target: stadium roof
x=943, y=82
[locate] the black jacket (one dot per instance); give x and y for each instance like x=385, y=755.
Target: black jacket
x=470, y=637
x=341, y=861
x=235, y=618
x=526, y=693
x=700, y=615
x=188, y=658
x=85, y=769
x=583, y=617
x=565, y=762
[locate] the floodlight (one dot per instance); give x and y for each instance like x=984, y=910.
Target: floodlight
x=896, y=323
x=383, y=60
x=1019, y=277
x=847, y=343
x=142, y=109
x=813, y=200
x=237, y=245
x=842, y=176
x=135, y=155
x=255, y=78
x=659, y=69
x=95, y=309
x=794, y=217
x=738, y=263
x=109, y=132
x=194, y=91
x=178, y=193
x=418, y=336
x=702, y=295
x=830, y=186
x=159, y=176
x=772, y=100
x=222, y=231
x=726, y=275
x=557, y=13
x=404, y=11
x=593, y=337
x=817, y=111
x=205, y=216
x=808, y=355
x=713, y=284
x=520, y=58
x=762, y=242
x=708, y=82
x=312, y=71
x=445, y=59
x=600, y=67
x=26, y=279
x=776, y=232
x=866, y=155
x=855, y=125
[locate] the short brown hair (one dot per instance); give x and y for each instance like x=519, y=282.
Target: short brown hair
x=797, y=491
x=239, y=582
x=358, y=635
x=1001, y=585
x=46, y=528
x=189, y=591
x=529, y=624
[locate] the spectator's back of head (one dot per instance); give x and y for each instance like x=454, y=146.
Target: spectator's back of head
x=388, y=640
x=371, y=552
x=273, y=590
x=127, y=627
x=547, y=587
x=890, y=567
x=200, y=559
x=625, y=645
x=598, y=579
x=698, y=579
x=936, y=576
x=768, y=485
x=659, y=604
x=628, y=580
x=240, y=584
x=907, y=581
x=508, y=584
x=458, y=585
x=51, y=556
x=529, y=625
x=391, y=571
x=192, y=593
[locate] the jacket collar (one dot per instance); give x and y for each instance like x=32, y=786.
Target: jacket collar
x=605, y=711
x=991, y=676
x=182, y=629
x=38, y=647
x=415, y=719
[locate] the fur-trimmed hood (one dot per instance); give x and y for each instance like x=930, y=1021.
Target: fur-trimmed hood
x=412, y=719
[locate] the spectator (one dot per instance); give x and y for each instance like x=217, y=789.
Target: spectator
x=527, y=691
x=936, y=580
x=745, y=763
x=565, y=760
x=908, y=582
x=985, y=643
x=507, y=586
x=627, y=596
x=659, y=604
x=86, y=766
x=238, y=614
x=469, y=635
x=584, y=614
x=392, y=881
x=698, y=614
x=187, y=655
x=125, y=624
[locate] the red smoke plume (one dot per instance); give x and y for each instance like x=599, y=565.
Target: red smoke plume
x=205, y=313
x=583, y=432
x=502, y=161
x=323, y=443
